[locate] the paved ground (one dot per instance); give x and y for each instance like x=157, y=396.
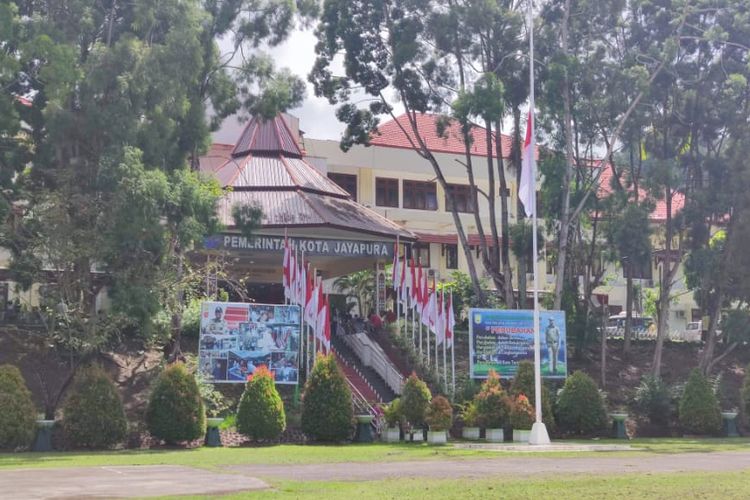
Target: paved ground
x=120, y=482
x=514, y=466
x=144, y=481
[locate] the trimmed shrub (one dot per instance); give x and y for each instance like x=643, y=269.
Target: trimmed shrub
x=93, y=416
x=17, y=411
x=493, y=405
x=415, y=397
x=653, y=400
x=745, y=396
x=580, y=408
x=439, y=414
x=327, y=402
x=175, y=410
x=699, y=408
x=522, y=414
x=470, y=414
x=523, y=383
x=261, y=412
x=392, y=413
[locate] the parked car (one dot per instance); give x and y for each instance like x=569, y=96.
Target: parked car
x=641, y=327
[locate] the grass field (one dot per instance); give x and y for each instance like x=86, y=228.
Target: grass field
x=733, y=485
x=298, y=454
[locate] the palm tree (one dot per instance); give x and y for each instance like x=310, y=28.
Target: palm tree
x=360, y=286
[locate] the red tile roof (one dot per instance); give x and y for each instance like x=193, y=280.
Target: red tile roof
x=390, y=134
x=659, y=214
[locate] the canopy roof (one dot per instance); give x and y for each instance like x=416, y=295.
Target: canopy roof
x=266, y=169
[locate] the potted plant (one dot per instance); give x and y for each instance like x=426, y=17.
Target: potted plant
x=470, y=416
x=521, y=418
x=493, y=408
x=439, y=417
x=415, y=397
x=392, y=416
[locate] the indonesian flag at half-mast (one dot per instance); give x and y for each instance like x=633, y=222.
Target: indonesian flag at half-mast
x=527, y=186
x=450, y=321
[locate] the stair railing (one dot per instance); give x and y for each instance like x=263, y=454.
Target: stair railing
x=372, y=355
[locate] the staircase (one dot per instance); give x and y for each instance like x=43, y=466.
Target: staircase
x=372, y=379
x=357, y=380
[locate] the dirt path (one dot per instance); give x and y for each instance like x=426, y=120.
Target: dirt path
x=511, y=466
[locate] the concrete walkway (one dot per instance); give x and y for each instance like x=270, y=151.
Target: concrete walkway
x=507, y=466
x=120, y=482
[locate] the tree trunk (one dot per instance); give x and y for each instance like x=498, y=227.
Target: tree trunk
x=628, y=308
x=706, y=361
x=562, y=243
x=504, y=220
x=604, y=349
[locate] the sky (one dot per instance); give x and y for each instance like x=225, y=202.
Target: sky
x=317, y=116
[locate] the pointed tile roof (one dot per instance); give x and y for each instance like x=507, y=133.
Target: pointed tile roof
x=266, y=168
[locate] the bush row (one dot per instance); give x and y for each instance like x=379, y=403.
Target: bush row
x=94, y=417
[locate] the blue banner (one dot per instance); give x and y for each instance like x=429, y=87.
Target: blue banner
x=499, y=339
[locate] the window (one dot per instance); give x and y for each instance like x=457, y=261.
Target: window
x=386, y=192
x=421, y=252
x=347, y=182
x=420, y=195
x=461, y=196
x=451, y=256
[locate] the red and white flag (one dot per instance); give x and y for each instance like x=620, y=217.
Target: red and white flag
x=527, y=185
x=287, y=255
x=440, y=318
x=403, y=284
x=415, y=292
x=326, y=340
x=322, y=315
x=450, y=321
x=302, y=283
x=310, y=297
x=396, y=271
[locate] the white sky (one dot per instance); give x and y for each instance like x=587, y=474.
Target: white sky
x=317, y=117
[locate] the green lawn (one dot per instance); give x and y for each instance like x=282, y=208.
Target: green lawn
x=297, y=454
x=662, y=486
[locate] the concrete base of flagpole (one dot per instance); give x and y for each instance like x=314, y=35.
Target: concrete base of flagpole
x=539, y=435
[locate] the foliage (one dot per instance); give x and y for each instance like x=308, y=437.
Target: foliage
x=260, y=415
x=175, y=409
x=653, y=400
x=580, y=407
x=523, y=383
x=522, y=413
x=93, y=415
x=466, y=389
x=359, y=286
x=392, y=413
x=415, y=398
x=439, y=414
x=699, y=409
x=493, y=405
x=18, y=415
x=327, y=402
x=745, y=396
x=470, y=414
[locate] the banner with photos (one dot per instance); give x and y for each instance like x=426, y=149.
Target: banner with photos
x=236, y=338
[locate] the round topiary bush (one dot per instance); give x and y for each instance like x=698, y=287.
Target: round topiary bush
x=493, y=404
x=327, y=402
x=415, y=397
x=699, y=408
x=93, y=416
x=580, y=408
x=17, y=411
x=261, y=412
x=439, y=414
x=175, y=410
x=523, y=383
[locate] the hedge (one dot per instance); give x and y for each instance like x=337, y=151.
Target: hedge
x=580, y=407
x=17, y=411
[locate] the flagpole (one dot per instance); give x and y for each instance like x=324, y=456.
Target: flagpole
x=539, y=435
x=453, y=351
x=445, y=341
x=302, y=311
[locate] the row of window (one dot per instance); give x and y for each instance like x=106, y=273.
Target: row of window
x=418, y=195
x=421, y=253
